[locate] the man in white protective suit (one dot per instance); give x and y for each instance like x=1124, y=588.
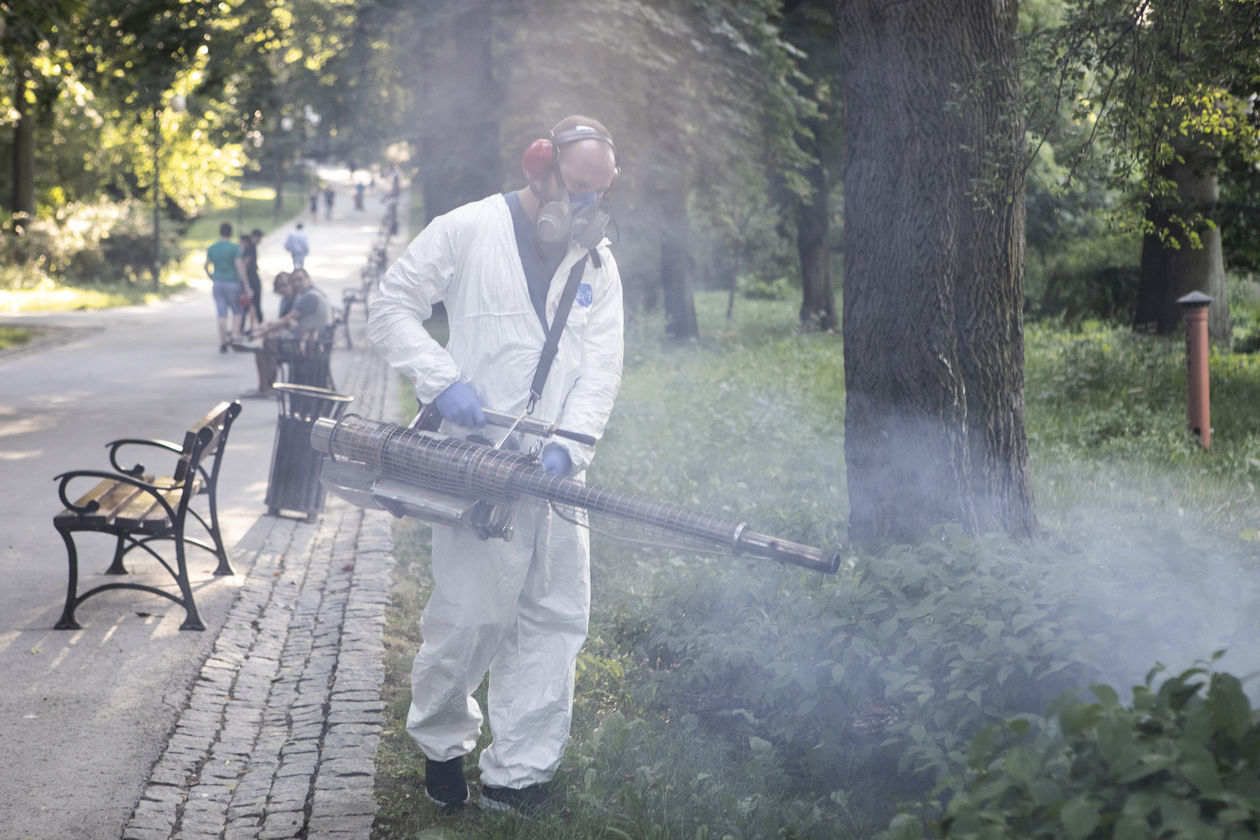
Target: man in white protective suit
x=516, y=608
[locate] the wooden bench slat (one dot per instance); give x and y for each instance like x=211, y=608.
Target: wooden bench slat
x=111, y=495
x=145, y=514
x=139, y=509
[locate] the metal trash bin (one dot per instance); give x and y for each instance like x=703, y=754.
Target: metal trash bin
x=305, y=361
x=294, y=483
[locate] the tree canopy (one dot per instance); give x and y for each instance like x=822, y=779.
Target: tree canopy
x=731, y=118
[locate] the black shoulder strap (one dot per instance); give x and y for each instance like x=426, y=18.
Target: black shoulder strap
x=552, y=344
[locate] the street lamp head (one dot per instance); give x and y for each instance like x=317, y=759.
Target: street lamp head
x=178, y=102
x=286, y=123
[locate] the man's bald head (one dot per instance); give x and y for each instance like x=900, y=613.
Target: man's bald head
x=586, y=153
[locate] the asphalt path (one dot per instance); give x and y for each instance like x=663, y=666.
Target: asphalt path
x=84, y=714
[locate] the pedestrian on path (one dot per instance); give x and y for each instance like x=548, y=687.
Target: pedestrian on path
x=226, y=271
x=249, y=257
x=252, y=277
x=518, y=609
x=298, y=245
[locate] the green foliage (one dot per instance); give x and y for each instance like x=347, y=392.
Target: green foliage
x=1124, y=89
x=1115, y=93
x=98, y=256
x=85, y=244
x=1082, y=252
x=1104, y=393
x=886, y=668
x=1244, y=312
x=1179, y=762
x=641, y=778
x=251, y=207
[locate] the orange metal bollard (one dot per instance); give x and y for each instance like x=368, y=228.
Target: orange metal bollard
x=1198, y=399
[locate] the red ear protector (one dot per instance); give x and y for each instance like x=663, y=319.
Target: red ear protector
x=543, y=154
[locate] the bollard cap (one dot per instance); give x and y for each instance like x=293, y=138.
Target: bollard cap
x=1194, y=299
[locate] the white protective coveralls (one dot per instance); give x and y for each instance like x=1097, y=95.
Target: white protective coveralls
x=518, y=608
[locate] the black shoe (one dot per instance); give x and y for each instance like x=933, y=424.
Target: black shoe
x=444, y=782
x=526, y=800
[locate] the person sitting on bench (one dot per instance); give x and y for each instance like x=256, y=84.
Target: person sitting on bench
x=283, y=327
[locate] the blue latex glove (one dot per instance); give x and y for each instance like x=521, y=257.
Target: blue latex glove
x=555, y=461
x=459, y=404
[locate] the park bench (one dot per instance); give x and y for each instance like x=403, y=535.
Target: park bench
x=141, y=509
x=368, y=277
x=377, y=262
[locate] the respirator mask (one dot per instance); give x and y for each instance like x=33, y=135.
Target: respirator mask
x=562, y=215
x=579, y=216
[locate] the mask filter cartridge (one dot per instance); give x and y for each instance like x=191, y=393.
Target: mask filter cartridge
x=555, y=220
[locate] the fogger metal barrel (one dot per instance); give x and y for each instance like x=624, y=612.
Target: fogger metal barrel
x=377, y=464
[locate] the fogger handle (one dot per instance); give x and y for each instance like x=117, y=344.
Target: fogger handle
x=430, y=418
x=530, y=426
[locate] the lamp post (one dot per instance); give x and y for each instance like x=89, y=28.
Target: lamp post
x=178, y=103
x=281, y=152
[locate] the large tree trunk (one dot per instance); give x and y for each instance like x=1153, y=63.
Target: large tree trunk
x=459, y=137
x=23, y=156
x=679, y=299
x=933, y=282
x=813, y=244
x=1171, y=267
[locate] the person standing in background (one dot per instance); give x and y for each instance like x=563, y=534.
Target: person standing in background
x=252, y=279
x=298, y=246
x=226, y=271
x=248, y=295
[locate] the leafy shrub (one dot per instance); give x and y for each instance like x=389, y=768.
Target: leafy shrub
x=647, y=778
x=872, y=683
x=1177, y=763
x=85, y=244
x=1244, y=312
x=881, y=673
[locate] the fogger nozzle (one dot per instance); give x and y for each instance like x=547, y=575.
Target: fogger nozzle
x=391, y=459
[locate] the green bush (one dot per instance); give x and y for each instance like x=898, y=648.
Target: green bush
x=1244, y=312
x=84, y=245
x=891, y=665
x=870, y=685
x=1176, y=763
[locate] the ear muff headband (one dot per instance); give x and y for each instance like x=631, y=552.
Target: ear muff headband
x=543, y=154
